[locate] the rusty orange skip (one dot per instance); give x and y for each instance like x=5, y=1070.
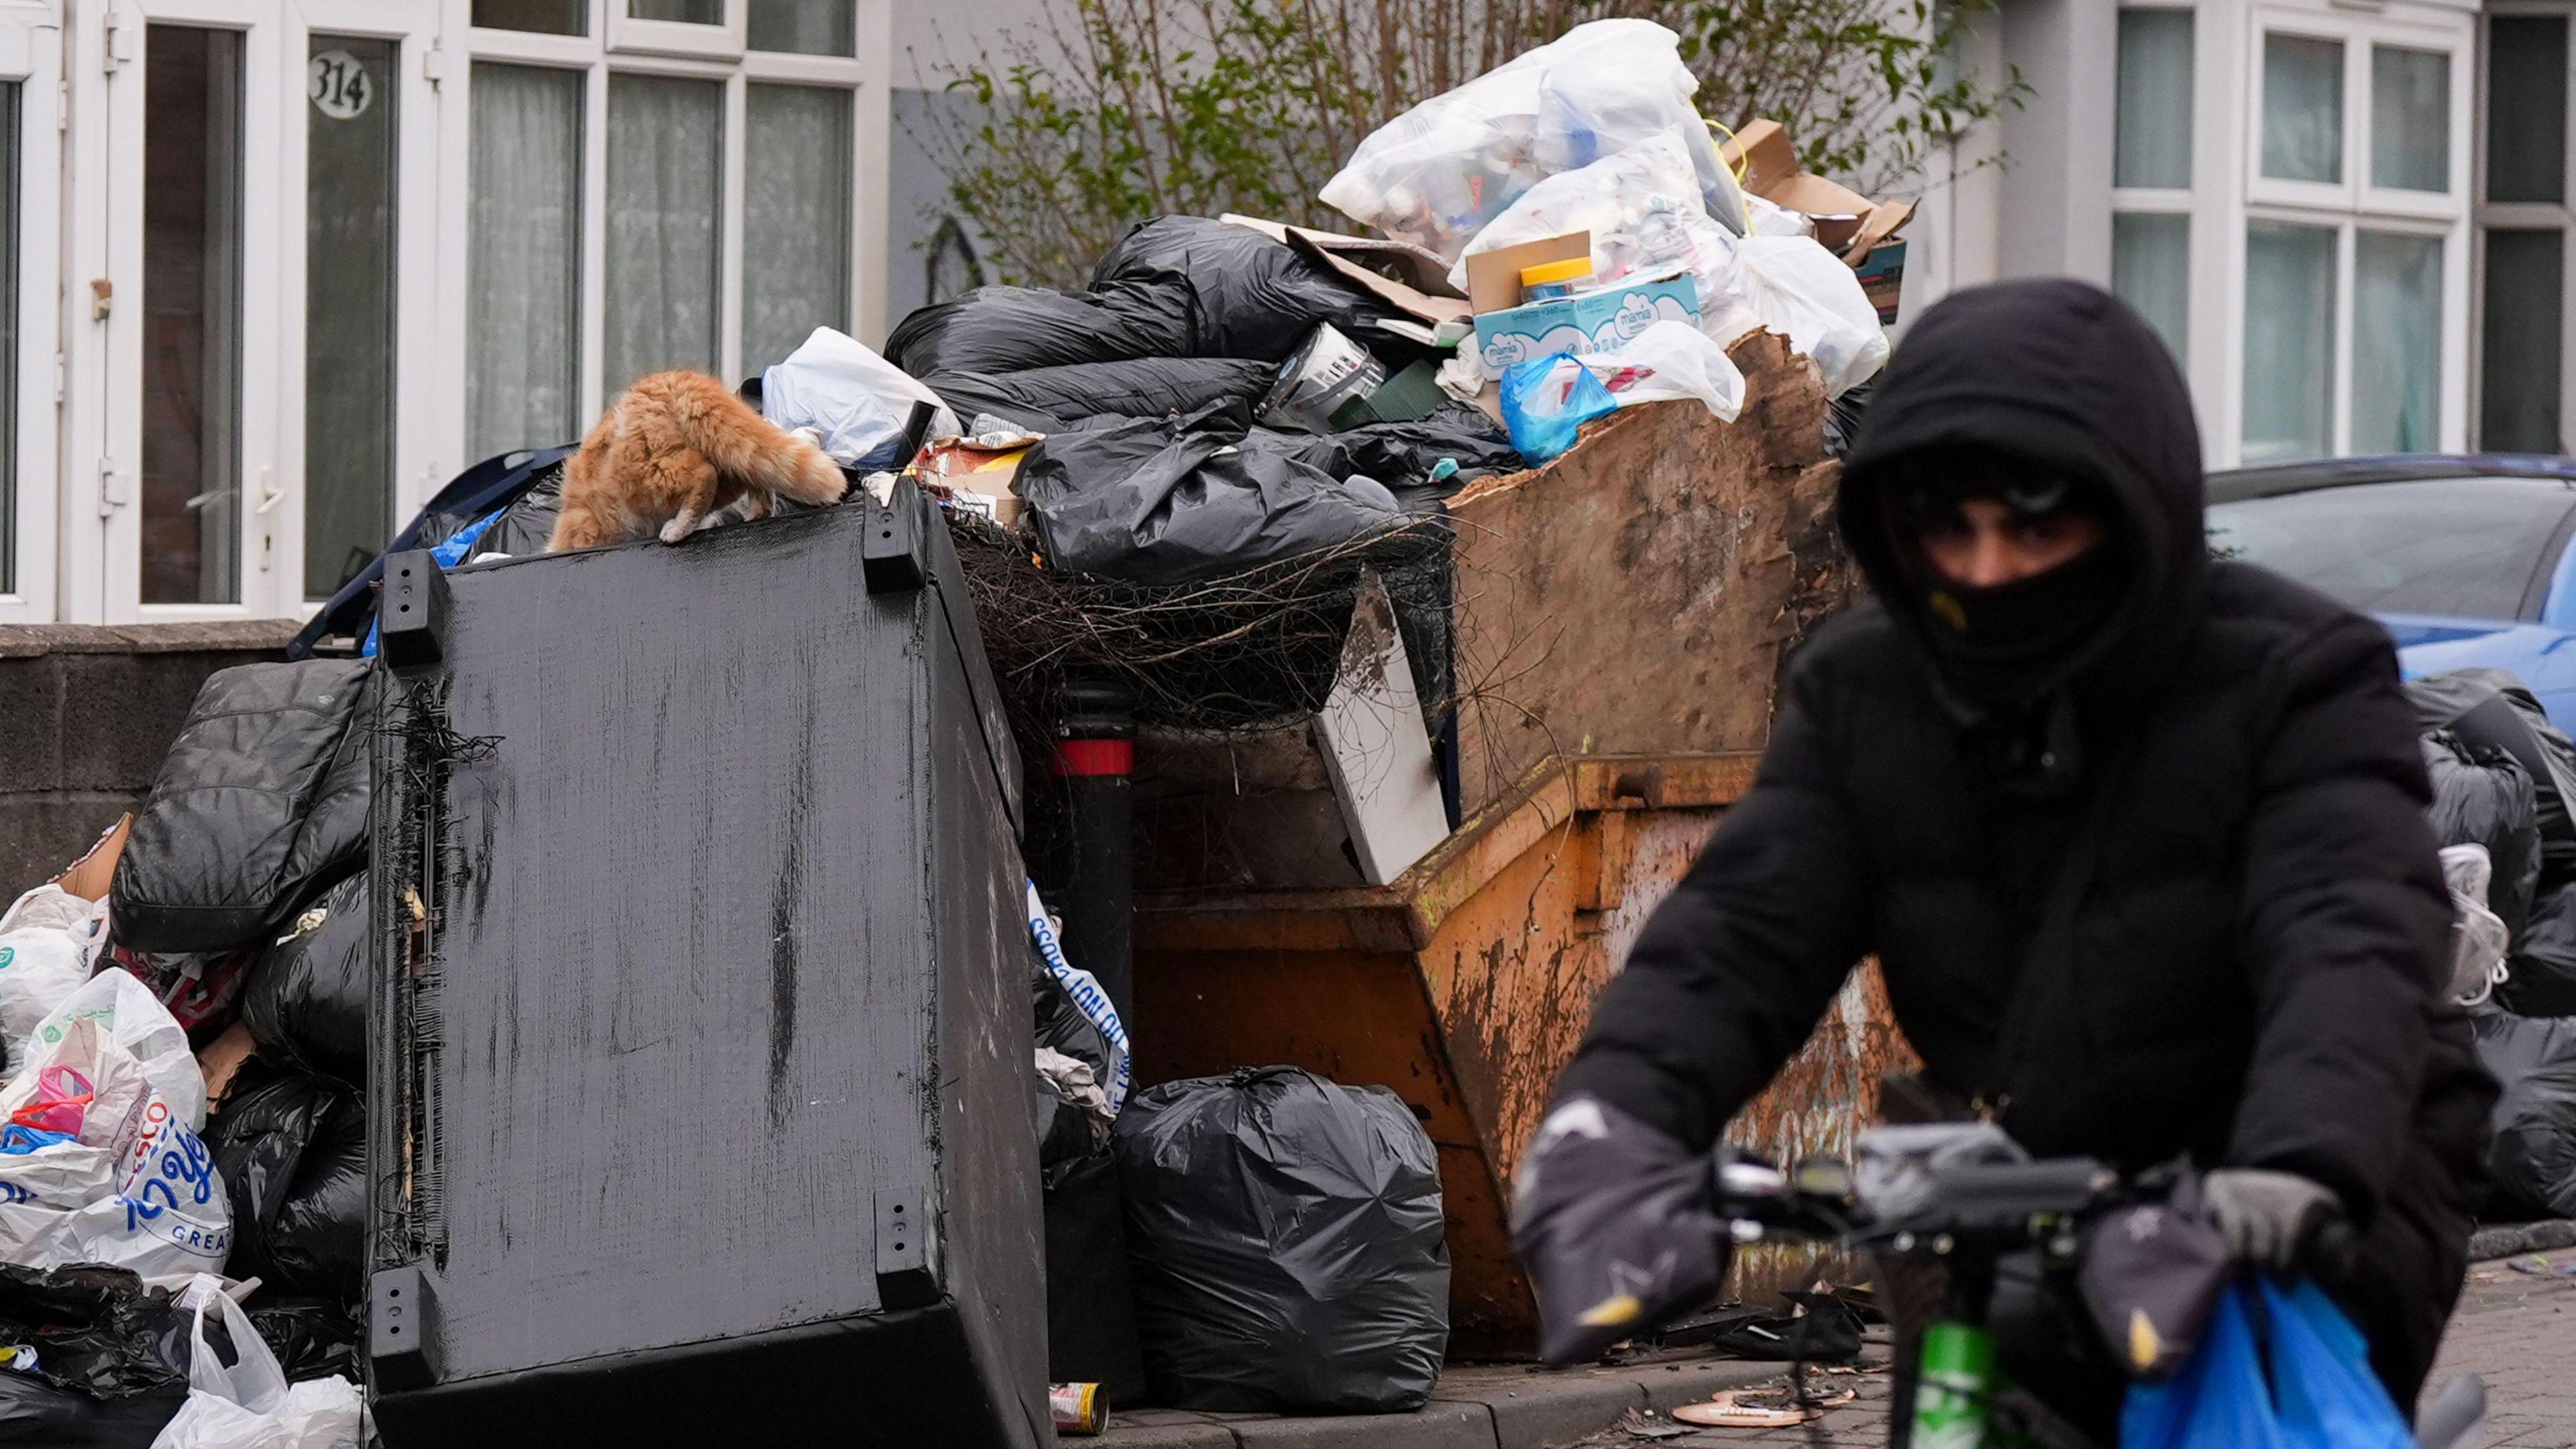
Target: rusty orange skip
x=1465, y=985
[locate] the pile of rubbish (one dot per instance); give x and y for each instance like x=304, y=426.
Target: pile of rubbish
x=2504, y=779
x=185, y=1148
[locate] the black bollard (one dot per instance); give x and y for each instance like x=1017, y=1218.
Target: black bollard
x=1094, y=752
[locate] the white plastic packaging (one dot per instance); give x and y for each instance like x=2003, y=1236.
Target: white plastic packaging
x=48, y=942
x=2478, y=936
x=134, y=1188
x=127, y=1011
x=1438, y=173
x=1793, y=286
x=1642, y=207
x=250, y=1405
x=855, y=401
x=1671, y=361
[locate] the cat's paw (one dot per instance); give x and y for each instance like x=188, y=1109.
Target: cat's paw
x=678, y=529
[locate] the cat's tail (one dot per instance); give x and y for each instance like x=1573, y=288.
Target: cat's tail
x=744, y=445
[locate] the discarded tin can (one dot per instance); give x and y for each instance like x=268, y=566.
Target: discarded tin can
x=1079, y=1408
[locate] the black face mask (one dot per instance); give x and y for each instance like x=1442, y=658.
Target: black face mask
x=2001, y=647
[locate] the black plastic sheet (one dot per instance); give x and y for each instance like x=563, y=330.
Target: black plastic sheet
x=305, y=999
x=1051, y=399
x=2482, y=796
x=1403, y=455
x=1285, y=1240
x=1254, y=297
x=1163, y=501
x=96, y=1330
x=1009, y=329
x=2493, y=707
x=313, y=1336
x=2532, y=1157
x=260, y=804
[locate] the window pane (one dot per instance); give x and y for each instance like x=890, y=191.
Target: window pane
x=2396, y=343
x=2410, y=118
x=807, y=27
x=2151, y=271
x=348, y=308
x=796, y=218
x=689, y=12
x=2527, y=108
x=2154, y=125
x=2519, y=355
x=192, y=122
x=664, y=137
x=546, y=17
x=523, y=378
x=2302, y=108
x=10, y=102
x=2289, y=341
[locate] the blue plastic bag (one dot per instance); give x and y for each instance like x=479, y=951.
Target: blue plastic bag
x=1546, y=402
x=2319, y=1394
x=2218, y=1401
x=2321, y=1378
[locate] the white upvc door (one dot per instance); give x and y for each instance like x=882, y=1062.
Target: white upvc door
x=31, y=289
x=360, y=373
x=181, y=453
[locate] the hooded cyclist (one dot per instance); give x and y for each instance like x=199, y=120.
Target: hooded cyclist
x=2136, y=835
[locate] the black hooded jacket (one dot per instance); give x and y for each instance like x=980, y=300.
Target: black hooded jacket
x=2250, y=928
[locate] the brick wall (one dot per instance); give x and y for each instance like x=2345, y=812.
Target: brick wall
x=89, y=710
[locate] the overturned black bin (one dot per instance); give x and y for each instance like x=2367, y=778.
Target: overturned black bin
x=699, y=1097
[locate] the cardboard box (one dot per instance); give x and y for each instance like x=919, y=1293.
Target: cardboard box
x=978, y=479
x=1411, y=279
x=90, y=876
x=1849, y=224
x=1595, y=321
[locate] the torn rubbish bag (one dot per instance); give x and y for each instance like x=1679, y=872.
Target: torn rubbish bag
x=1174, y=500
x=1051, y=399
x=95, y=1330
x=1253, y=296
x=1006, y=329
x=260, y=803
x=305, y=998
x=858, y=404
x=2532, y=1157
x=1284, y=1237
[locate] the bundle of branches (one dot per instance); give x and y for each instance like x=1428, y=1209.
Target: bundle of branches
x=1234, y=652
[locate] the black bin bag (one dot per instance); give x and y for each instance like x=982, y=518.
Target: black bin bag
x=1254, y=297
x=1284, y=1238
x=2532, y=1157
x=1007, y=329
x=259, y=805
x=1176, y=500
x=292, y=1152
x=305, y=998
x=2483, y=796
x=2540, y=974
x=2492, y=707
x=1052, y=399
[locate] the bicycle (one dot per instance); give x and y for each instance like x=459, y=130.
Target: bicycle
x=1963, y=1197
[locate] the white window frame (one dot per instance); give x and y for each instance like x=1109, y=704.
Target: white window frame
x=2183, y=201
x=2558, y=216
x=613, y=47
x=2348, y=207
x=31, y=54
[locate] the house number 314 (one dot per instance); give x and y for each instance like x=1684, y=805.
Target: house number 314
x=339, y=85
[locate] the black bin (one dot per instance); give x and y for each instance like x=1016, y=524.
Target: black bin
x=699, y=1097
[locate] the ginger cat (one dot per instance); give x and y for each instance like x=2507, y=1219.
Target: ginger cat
x=676, y=450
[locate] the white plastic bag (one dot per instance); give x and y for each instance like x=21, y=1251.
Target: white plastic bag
x=1438, y=173
x=2478, y=936
x=127, y=1011
x=133, y=1188
x=1671, y=361
x=249, y=1405
x=48, y=942
x=1642, y=207
x=855, y=400
x=1793, y=286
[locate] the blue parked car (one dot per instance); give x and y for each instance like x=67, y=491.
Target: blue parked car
x=2465, y=559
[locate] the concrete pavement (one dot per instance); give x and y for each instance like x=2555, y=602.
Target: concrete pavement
x=2516, y=1328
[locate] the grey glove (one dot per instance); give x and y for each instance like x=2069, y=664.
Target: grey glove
x=1616, y=1224
x=2266, y=1217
